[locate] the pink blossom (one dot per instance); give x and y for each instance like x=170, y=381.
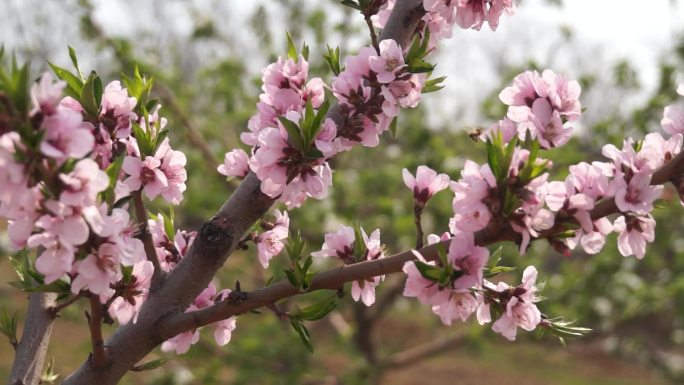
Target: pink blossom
x=638, y=195
x=504, y=127
x=459, y=305
x=173, y=166
x=270, y=243
x=390, y=62
x=531, y=218
x=467, y=258
x=561, y=94
x=181, y=343
x=426, y=183
x=224, y=330
x=55, y=261
x=350, y=89
x=634, y=231
x=145, y=174
x=426, y=291
x=546, y=125
x=476, y=185
x=645, y=161
x=520, y=309
x=592, y=234
x=341, y=244
x=234, y=164
x=116, y=111
x=83, y=184
x=126, y=305
x=673, y=120
x=338, y=244
x=63, y=224
x=98, y=271
x=471, y=13
x=66, y=135
x=402, y=93
x=593, y=180
x=364, y=290
x=46, y=94
x=496, y=8
x=380, y=18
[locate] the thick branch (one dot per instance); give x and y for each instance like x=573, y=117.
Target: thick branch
x=32, y=349
x=664, y=174
x=99, y=357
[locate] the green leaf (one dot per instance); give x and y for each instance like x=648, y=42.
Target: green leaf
x=318, y=119
x=302, y=332
x=169, y=229
x=8, y=326
x=305, y=51
x=154, y=364
x=429, y=272
x=332, y=57
x=291, y=49
x=88, y=95
x=293, y=133
x=74, y=84
x=144, y=141
x=393, y=127
x=49, y=376
x=351, y=4
x=493, y=160
x=418, y=66
x=74, y=61
x=292, y=278
x=496, y=270
x=112, y=171
x=54, y=287
x=318, y=310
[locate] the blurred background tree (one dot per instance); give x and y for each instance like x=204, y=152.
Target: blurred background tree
x=207, y=56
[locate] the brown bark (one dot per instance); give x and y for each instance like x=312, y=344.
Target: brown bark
x=32, y=349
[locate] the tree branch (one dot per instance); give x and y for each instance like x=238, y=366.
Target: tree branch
x=146, y=236
x=332, y=279
x=99, y=357
x=216, y=240
x=32, y=349
x=60, y=306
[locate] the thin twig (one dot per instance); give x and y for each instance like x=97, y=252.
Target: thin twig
x=58, y=307
x=373, y=35
x=332, y=279
x=421, y=352
x=283, y=315
x=417, y=214
x=145, y=235
x=95, y=324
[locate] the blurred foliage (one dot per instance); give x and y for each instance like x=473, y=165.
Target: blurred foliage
x=209, y=82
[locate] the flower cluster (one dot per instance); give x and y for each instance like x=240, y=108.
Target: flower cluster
x=512, y=192
x=453, y=296
x=354, y=247
x=63, y=184
x=181, y=343
x=540, y=105
x=441, y=15
x=270, y=242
